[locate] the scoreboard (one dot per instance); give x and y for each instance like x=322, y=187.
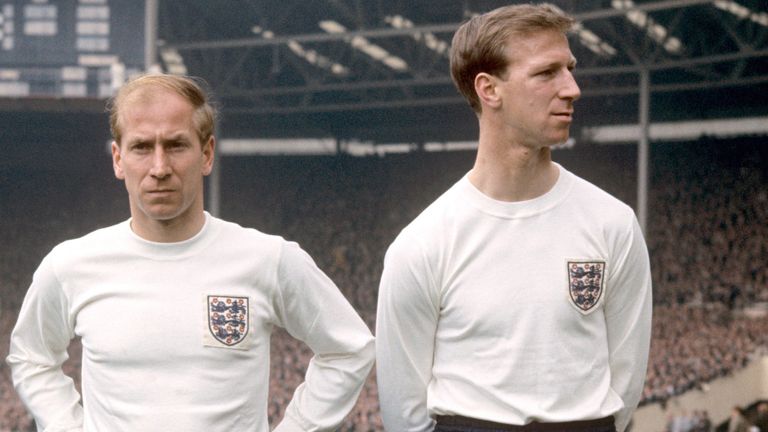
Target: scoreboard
x=69, y=48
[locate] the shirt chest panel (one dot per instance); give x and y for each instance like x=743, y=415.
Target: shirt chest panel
x=506, y=274
x=149, y=318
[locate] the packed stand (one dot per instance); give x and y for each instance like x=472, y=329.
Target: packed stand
x=708, y=243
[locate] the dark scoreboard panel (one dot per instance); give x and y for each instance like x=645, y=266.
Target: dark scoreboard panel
x=69, y=48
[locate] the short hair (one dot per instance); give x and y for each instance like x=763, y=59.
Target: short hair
x=479, y=44
x=189, y=88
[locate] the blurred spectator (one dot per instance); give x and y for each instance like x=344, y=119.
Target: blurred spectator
x=698, y=421
x=737, y=422
x=761, y=421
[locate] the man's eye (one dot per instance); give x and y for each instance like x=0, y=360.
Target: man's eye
x=141, y=147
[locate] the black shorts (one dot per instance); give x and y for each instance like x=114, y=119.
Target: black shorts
x=465, y=424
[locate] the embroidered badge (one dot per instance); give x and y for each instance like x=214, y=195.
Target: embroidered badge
x=228, y=318
x=585, y=283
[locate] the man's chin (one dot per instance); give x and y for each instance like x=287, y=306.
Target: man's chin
x=558, y=140
x=162, y=213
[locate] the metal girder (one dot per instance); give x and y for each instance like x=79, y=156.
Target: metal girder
x=645, y=7
x=313, y=37
x=674, y=64
x=332, y=87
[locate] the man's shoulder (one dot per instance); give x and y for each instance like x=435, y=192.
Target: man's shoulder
x=235, y=228
x=100, y=236
x=592, y=208
x=243, y=236
x=433, y=221
x=88, y=247
x=600, y=201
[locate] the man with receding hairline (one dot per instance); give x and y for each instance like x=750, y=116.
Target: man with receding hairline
x=175, y=307
x=520, y=300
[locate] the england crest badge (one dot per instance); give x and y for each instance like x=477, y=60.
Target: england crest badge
x=228, y=319
x=585, y=284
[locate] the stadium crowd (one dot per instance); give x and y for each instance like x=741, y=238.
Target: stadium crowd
x=707, y=238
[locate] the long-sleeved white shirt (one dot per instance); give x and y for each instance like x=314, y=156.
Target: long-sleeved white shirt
x=476, y=315
x=176, y=335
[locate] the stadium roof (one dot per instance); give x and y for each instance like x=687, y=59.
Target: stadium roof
x=378, y=70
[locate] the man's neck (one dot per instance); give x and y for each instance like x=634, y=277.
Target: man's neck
x=510, y=172
x=169, y=231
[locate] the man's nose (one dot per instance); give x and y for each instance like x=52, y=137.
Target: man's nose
x=570, y=89
x=161, y=166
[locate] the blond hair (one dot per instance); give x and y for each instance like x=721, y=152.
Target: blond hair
x=191, y=89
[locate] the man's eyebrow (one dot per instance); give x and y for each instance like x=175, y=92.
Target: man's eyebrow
x=550, y=63
x=136, y=140
x=179, y=136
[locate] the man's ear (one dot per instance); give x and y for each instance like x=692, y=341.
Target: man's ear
x=117, y=161
x=209, y=153
x=486, y=89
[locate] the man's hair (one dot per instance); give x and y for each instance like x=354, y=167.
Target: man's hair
x=189, y=88
x=479, y=44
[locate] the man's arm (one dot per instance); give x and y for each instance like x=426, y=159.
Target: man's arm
x=628, y=319
x=406, y=323
x=312, y=309
x=38, y=349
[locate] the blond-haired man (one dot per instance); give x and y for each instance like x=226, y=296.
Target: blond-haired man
x=175, y=307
